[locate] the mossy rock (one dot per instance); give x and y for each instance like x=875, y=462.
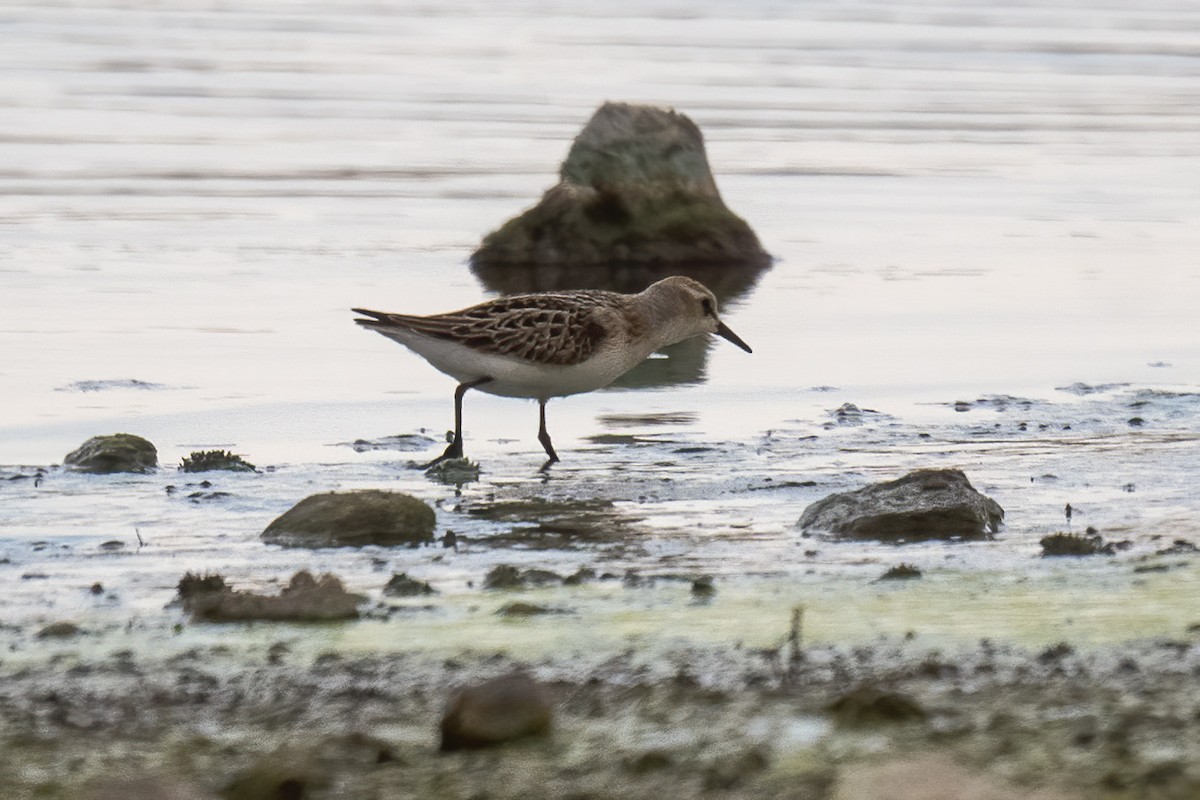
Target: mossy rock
x=304, y=599
x=403, y=586
x=1075, y=544
x=636, y=188
x=353, y=519
x=925, y=504
x=496, y=711
x=118, y=452
x=901, y=572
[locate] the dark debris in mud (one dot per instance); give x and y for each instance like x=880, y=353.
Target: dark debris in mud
x=1076, y=544
x=305, y=599
x=506, y=576
x=401, y=585
x=213, y=460
x=900, y=572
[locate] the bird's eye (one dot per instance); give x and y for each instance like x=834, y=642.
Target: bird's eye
x=707, y=306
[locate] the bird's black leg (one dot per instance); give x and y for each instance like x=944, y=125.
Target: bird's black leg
x=544, y=436
x=455, y=449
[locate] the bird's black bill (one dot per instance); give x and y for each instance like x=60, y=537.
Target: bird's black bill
x=724, y=332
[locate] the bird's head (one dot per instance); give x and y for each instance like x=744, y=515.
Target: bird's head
x=693, y=307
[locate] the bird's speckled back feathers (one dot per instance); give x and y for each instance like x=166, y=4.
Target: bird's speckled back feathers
x=553, y=328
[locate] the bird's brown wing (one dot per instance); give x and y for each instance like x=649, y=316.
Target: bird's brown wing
x=560, y=329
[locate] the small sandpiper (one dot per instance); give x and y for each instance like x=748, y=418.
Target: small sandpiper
x=552, y=344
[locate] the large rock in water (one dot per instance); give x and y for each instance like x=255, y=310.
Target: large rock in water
x=118, y=452
x=926, y=504
x=636, y=188
x=353, y=519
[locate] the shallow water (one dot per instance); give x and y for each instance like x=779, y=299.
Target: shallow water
x=965, y=202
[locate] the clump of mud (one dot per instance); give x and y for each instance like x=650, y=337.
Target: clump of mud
x=212, y=460
x=304, y=599
x=1076, y=544
x=900, y=572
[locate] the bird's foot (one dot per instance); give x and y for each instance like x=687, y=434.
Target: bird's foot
x=545, y=468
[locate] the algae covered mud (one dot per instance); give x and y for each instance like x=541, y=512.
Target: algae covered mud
x=984, y=223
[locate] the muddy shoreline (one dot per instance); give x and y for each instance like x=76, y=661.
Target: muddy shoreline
x=1117, y=722
x=656, y=610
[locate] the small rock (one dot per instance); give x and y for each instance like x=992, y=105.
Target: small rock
x=506, y=576
x=541, y=577
x=926, y=504
x=499, y=710
x=97, y=588
x=118, y=452
x=403, y=586
x=1075, y=544
x=276, y=652
x=519, y=609
x=111, y=544
x=870, y=705
x=197, y=497
x=503, y=576
x=192, y=584
x=59, y=630
x=580, y=576
x=1178, y=547
x=901, y=572
x=353, y=519
x=1055, y=653
x=848, y=414
x=704, y=587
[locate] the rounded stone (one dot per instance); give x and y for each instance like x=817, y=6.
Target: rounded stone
x=118, y=452
x=353, y=519
x=496, y=711
x=925, y=504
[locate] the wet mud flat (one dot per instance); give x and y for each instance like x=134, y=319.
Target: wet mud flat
x=815, y=722
x=653, y=595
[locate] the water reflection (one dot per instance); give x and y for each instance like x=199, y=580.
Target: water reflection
x=680, y=364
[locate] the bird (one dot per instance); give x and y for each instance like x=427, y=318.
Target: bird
x=551, y=344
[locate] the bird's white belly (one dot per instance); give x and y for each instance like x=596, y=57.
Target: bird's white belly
x=512, y=377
